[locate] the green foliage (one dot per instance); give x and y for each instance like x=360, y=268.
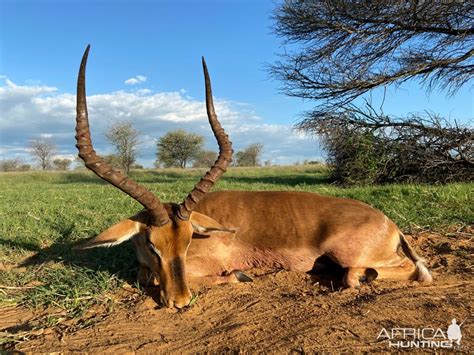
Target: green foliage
x=205, y=159
x=62, y=164
x=43, y=214
x=365, y=147
x=178, y=148
x=13, y=165
x=250, y=156
x=355, y=157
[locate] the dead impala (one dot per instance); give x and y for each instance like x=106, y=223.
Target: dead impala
x=238, y=230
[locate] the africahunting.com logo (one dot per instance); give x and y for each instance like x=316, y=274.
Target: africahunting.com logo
x=403, y=338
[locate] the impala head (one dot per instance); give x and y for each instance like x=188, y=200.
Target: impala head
x=168, y=227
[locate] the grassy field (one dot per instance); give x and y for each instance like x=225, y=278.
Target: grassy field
x=43, y=214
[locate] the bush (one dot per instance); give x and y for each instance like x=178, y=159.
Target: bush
x=369, y=148
x=13, y=165
x=354, y=156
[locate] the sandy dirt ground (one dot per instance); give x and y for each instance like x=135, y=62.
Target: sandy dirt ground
x=280, y=311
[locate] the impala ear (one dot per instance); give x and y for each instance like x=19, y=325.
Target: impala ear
x=119, y=232
x=204, y=225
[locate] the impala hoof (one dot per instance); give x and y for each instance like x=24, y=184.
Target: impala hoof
x=370, y=275
x=241, y=276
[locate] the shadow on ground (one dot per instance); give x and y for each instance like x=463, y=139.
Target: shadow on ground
x=119, y=260
x=149, y=177
x=171, y=177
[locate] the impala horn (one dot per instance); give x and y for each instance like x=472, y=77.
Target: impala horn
x=100, y=167
x=220, y=165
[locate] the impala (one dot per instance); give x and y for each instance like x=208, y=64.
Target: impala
x=167, y=228
x=238, y=230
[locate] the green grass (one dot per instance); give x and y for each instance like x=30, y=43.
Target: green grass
x=42, y=214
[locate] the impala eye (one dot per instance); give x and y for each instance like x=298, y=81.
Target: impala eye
x=153, y=249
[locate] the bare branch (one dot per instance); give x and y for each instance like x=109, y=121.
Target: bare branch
x=125, y=137
x=43, y=150
x=347, y=48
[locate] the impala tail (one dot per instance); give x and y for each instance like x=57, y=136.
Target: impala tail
x=423, y=274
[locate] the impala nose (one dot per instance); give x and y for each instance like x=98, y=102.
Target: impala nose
x=184, y=300
x=179, y=301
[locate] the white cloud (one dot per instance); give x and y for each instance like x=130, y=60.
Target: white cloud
x=134, y=80
x=143, y=92
x=131, y=81
x=65, y=156
x=31, y=111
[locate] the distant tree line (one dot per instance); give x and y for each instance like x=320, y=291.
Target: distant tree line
x=7, y=165
x=43, y=151
x=16, y=164
x=179, y=148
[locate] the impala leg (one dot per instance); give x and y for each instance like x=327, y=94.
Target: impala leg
x=147, y=262
x=146, y=277
x=405, y=271
x=240, y=276
x=353, y=276
x=234, y=276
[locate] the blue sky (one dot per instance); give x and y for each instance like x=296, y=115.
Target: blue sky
x=158, y=44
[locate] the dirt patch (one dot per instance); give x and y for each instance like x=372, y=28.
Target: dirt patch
x=279, y=311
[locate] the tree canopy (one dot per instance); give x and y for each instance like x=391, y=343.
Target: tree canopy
x=343, y=49
x=250, y=156
x=43, y=150
x=124, y=136
x=338, y=51
x=205, y=159
x=62, y=163
x=178, y=148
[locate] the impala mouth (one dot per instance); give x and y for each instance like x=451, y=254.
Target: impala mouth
x=175, y=291
x=183, y=302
